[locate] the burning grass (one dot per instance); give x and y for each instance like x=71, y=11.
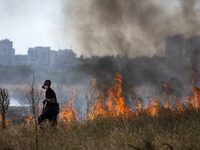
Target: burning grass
x=179, y=130
x=111, y=124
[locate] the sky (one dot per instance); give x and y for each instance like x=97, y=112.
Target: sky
x=94, y=27
x=30, y=23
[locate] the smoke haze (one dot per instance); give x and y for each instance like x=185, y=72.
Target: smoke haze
x=111, y=27
x=130, y=27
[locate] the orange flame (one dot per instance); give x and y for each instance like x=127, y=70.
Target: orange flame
x=168, y=104
x=114, y=105
x=165, y=85
x=93, y=82
x=27, y=121
x=109, y=103
x=196, y=98
x=40, y=109
x=179, y=106
x=69, y=114
x=98, y=108
x=139, y=105
x=6, y=121
x=115, y=102
x=122, y=108
x=193, y=74
x=153, y=108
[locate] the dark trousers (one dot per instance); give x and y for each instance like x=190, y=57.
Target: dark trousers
x=50, y=115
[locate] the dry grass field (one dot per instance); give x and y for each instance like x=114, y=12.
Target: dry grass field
x=111, y=124
x=166, y=130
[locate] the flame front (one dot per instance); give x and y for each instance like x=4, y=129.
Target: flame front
x=153, y=109
x=69, y=114
x=112, y=104
x=115, y=102
x=168, y=104
x=139, y=105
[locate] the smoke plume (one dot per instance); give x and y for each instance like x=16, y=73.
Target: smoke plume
x=128, y=27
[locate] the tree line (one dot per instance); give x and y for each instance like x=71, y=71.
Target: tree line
x=135, y=71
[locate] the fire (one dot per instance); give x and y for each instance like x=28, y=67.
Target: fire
x=139, y=105
x=196, y=99
x=168, y=104
x=179, y=106
x=115, y=102
x=27, y=121
x=193, y=74
x=93, y=82
x=121, y=107
x=114, y=105
x=194, y=102
x=109, y=103
x=165, y=85
x=98, y=108
x=69, y=114
x=153, y=109
x=6, y=121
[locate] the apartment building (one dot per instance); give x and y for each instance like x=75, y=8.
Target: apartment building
x=39, y=56
x=62, y=59
x=7, y=52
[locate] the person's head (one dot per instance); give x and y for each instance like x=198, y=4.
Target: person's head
x=47, y=84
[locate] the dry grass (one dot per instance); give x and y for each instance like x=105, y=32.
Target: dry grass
x=166, y=131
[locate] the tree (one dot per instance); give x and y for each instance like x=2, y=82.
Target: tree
x=4, y=104
x=33, y=95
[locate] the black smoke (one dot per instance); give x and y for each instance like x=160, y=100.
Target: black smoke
x=130, y=27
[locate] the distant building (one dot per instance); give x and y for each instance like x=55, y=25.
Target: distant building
x=20, y=59
x=7, y=52
x=174, y=49
x=52, y=58
x=63, y=59
x=192, y=50
x=39, y=56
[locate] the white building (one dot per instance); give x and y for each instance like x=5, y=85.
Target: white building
x=63, y=59
x=39, y=56
x=7, y=52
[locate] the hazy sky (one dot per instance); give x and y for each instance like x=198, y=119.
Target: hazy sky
x=30, y=23
x=100, y=27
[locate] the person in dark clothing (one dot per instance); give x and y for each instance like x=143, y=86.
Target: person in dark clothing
x=51, y=110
